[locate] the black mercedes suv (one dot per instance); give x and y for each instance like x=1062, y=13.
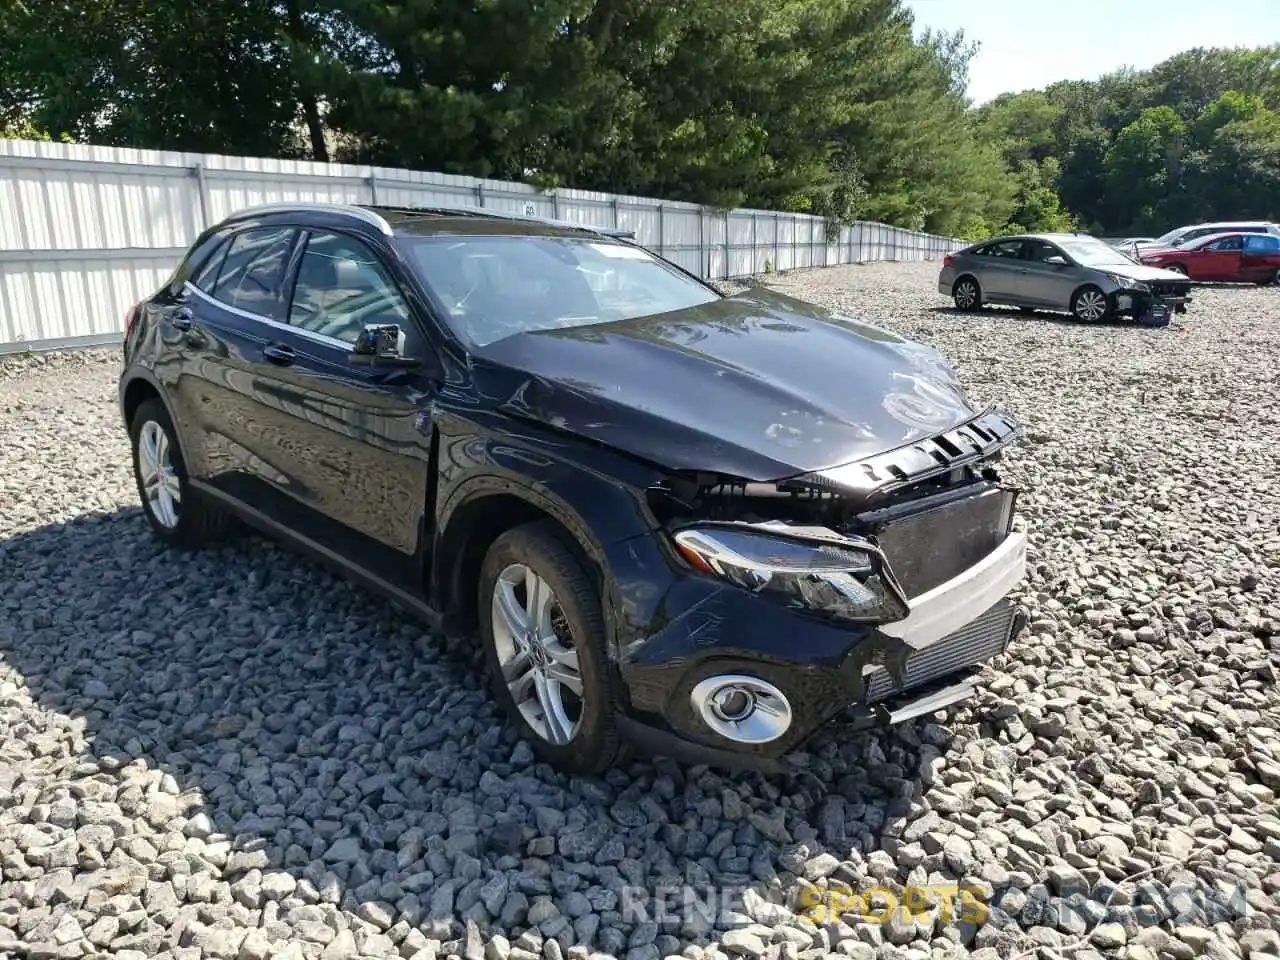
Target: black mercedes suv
x=698, y=524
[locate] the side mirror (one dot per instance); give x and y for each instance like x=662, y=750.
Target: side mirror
x=382, y=345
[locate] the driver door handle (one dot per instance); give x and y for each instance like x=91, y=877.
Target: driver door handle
x=280, y=354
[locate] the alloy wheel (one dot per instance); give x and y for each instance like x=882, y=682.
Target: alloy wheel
x=1091, y=305
x=536, y=654
x=160, y=483
x=966, y=294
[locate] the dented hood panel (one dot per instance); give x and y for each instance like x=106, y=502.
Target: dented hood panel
x=759, y=386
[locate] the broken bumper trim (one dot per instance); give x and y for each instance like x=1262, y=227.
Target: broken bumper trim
x=964, y=597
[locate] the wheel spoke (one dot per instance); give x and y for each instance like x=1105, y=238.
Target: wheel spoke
x=505, y=604
x=566, y=677
x=519, y=664
x=537, y=604
x=558, y=726
x=173, y=486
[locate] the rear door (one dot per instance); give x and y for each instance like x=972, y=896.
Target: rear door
x=1048, y=278
x=350, y=453
x=1000, y=270
x=221, y=376
x=1260, y=258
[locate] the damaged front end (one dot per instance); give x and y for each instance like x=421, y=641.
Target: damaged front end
x=1152, y=302
x=869, y=588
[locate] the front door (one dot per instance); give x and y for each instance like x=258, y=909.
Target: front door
x=353, y=454
x=1220, y=259
x=1048, y=279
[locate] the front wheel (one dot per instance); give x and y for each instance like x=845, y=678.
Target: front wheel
x=542, y=626
x=967, y=294
x=1090, y=305
x=174, y=510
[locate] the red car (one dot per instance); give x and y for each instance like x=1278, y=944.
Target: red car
x=1227, y=257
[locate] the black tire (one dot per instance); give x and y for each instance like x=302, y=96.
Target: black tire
x=595, y=745
x=197, y=521
x=1087, y=295
x=1027, y=310
x=967, y=293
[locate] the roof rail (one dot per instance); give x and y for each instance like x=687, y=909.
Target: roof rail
x=347, y=209
x=615, y=232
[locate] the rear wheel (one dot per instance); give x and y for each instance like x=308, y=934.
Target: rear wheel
x=967, y=294
x=542, y=626
x=175, y=511
x=1090, y=305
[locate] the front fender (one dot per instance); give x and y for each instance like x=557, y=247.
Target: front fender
x=595, y=494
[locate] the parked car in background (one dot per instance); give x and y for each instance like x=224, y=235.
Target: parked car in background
x=699, y=523
x=1181, y=236
x=1225, y=257
x=1065, y=272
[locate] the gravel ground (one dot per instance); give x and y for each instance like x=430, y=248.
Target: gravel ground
x=231, y=754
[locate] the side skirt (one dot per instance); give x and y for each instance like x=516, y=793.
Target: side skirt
x=255, y=518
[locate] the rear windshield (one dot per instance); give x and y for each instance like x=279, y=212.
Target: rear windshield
x=496, y=287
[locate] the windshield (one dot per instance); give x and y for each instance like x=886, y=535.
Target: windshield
x=1171, y=238
x=1094, y=253
x=496, y=287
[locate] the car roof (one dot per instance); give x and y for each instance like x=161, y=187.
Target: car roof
x=1228, y=225
x=428, y=220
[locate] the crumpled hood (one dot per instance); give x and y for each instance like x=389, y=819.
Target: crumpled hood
x=758, y=386
x=1144, y=273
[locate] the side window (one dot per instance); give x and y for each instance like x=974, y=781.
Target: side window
x=1005, y=249
x=1262, y=244
x=1226, y=244
x=341, y=288
x=201, y=260
x=253, y=271
x=1042, y=252
x=207, y=275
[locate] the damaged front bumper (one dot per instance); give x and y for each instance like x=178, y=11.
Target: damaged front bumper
x=1159, y=300
x=808, y=670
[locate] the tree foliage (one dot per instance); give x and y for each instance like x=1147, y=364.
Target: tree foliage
x=1195, y=138
x=832, y=107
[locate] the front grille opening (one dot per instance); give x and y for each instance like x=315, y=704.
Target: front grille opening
x=976, y=642
x=930, y=546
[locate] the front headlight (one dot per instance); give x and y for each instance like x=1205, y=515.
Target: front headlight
x=821, y=572
x=1127, y=283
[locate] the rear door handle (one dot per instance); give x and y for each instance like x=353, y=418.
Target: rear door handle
x=280, y=354
x=181, y=318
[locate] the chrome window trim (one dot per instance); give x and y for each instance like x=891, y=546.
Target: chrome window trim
x=269, y=321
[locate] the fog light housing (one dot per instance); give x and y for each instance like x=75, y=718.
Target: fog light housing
x=743, y=709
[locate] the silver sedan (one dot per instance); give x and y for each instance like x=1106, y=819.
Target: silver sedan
x=1065, y=272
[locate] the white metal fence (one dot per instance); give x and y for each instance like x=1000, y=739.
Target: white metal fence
x=86, y=231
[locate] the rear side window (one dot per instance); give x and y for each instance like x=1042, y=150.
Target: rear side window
x=252, y=273
x=1005, y=249
x=200, y=263
x=1262, y=244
